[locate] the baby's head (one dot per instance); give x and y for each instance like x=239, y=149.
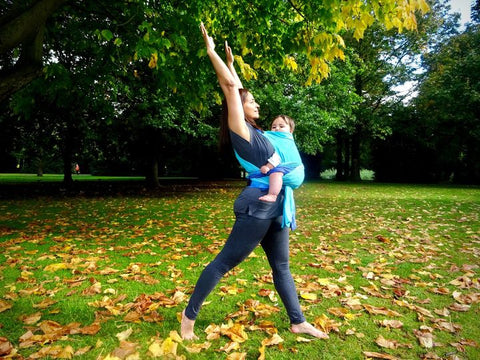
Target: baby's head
x=283, y=123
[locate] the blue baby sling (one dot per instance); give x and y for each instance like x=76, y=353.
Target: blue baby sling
x=291, y=166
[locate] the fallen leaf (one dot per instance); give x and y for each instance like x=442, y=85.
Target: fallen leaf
x=124, y=334
x=232, y=345
x=425, y=338
x=6, y=347
x=274, y=340
x=390, y=344
x=4, y=305
x=394, y=324
x=31, y=319
x=237, y=356
x=55, y=267
x=196, y=348
x=235, y=331
x=376, y=355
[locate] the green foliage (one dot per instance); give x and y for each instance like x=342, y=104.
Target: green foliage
x=448, y=103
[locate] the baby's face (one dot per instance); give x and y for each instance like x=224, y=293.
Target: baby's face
x=279, y=124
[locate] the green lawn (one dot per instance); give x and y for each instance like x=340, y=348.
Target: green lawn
x=33, y=178
x=386, y=270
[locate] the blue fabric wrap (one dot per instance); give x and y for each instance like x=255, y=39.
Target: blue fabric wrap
x=291, y=166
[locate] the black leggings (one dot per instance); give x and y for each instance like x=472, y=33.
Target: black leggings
x=246, y=234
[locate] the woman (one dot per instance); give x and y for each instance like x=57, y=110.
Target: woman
x=257, y=222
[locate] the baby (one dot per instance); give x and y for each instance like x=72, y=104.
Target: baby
x=281, y=123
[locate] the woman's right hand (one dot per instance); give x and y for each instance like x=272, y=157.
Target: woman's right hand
x=209, y=43
x=228, y=54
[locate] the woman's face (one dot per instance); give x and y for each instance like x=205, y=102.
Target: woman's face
x=250, y=108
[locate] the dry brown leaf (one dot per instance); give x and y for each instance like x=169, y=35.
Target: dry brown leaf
x=232, y=345
x=44, y=304
x=196, y=348
x=121, y=336
x=394, y=324
x=237, y=356
x=125, y=350
x=425, y=338
x=31, y=319
x=82, y=351
x=376, y=355
x=375, y=310
x=4, y=305
x=274, y=340
x=55, y=352
x=6, y=347
x=390, y=344
x=459, y=307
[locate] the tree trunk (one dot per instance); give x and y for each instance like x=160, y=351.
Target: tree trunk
x=355, y=165
x=346, y=160
x=24, y=28
x=340, y=176
x=16, y=28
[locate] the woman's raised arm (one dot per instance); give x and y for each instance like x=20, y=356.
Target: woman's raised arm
x=230, y=60
x=230, y=86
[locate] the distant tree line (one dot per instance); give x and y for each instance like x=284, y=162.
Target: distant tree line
x=126, y=89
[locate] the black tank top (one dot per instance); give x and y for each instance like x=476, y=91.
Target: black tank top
x=257, y=151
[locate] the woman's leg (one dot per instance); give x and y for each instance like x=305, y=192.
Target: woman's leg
x=247, y=232
x=276, y=247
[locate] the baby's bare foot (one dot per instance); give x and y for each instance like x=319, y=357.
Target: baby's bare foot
x=268, y=198
x=186, y=329
x=307, y=328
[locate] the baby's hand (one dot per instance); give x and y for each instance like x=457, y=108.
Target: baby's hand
x=264, y=169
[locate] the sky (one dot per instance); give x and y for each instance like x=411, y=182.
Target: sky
x=462, y=7
x=457, y=6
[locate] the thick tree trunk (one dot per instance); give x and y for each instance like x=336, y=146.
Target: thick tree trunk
x=346, y=160
x=355, y=165
x=340, y=140
x=24, y=29
x=16, y=28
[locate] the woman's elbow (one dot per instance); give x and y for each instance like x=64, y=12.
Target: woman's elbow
x=229, y=87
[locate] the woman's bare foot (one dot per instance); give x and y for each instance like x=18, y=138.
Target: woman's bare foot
x=307, y=328
x=187, y=328
x=268, y=198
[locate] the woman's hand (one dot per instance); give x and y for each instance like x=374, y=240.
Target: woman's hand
x=209, y=43
x=228, y=54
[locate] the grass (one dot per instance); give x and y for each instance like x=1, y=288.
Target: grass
x=389, y=246
x=47, y=178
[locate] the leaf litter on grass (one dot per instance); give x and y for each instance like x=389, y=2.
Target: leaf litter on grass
x=395, y=272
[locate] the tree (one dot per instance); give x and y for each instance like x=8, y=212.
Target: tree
x=22, y=27
x=448, y=101
x=143, y=62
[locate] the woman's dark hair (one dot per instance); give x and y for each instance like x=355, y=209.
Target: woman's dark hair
x=224, y=131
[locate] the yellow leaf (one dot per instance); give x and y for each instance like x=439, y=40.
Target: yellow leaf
x=196, y=348
x=55, y=267
x=237, y=356
x=274, y=340
x=308, y=296
x=153, y=60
